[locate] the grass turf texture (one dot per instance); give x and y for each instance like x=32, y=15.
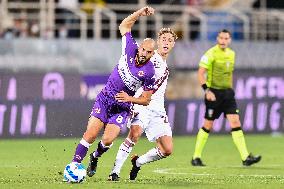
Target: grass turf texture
x=39, y=163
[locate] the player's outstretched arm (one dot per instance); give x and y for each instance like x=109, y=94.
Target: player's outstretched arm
x=144, y=99
x=129, y=21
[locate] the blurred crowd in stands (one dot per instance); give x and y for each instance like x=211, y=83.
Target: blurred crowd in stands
x=21, y=27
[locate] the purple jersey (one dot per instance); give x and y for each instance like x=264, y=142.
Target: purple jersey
x=126, y=77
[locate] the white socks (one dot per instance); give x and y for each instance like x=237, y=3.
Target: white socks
x=152, y=155
x=85, y=143
x=122, y=154
x=124, y=151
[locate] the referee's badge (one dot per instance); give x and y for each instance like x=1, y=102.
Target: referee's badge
x=204, y=59
x=210, y=112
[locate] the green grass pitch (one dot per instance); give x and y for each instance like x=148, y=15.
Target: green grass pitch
x=39, y=163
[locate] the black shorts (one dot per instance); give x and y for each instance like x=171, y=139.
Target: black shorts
x=225, y=103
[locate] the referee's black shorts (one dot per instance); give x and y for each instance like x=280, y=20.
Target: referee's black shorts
x=225, y=103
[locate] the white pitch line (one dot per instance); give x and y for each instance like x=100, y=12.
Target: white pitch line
x=258, y=175
x=240, y=166
x=169, y=172
x=166, y=171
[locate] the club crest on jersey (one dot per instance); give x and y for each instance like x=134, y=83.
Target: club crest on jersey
x=210, y=112
x=141, y=73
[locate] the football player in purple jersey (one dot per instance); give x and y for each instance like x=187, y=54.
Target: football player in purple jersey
x=112, y=105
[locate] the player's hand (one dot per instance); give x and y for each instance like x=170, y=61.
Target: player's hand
x=146, y=11
x=210, y=96
x=122, y=97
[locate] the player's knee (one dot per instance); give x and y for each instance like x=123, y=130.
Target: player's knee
x=207, y=128
x=134, y=135
x=107, y=140
x=235, y=123
x=89, y=137
x=208, y=124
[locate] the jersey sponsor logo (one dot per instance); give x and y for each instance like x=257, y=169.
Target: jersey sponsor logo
x=129, y=80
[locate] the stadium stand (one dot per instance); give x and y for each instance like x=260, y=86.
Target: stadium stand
x=193, y=20
x=44, y=28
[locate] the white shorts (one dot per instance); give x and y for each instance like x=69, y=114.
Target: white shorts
x=154, y=124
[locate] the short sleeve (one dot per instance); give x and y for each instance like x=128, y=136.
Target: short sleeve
x=128, y=43
x=206, y=60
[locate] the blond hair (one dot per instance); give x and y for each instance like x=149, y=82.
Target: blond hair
x=167, y=30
